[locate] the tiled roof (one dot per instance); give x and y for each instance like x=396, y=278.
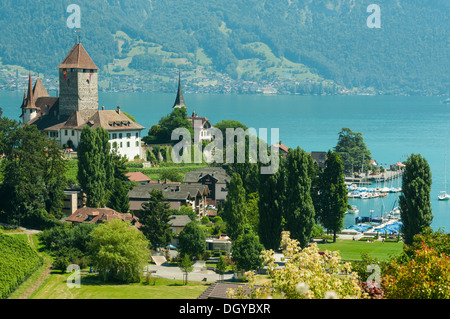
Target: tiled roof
x=78, y=58
x=179, y=220
x=170, y=192
x=39, y=90
x=217, y=173
x=96, y=215
x=137, y=177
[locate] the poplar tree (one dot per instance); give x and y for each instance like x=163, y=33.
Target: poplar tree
x=299, y=208
x=235, y=210
x=415, y=204
x=95, y=166
x=333, y=194
x=271, y=201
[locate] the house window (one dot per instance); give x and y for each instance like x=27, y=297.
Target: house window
x=128, y=144
x=137, y=135
x=137, y=143
x=120, y=144
x=128, y=135
x=114, y=136
x=73, y=132
x=120, y=135
x=66, y=132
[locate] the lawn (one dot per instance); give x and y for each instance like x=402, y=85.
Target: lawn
x=91, y=288
x=352, y=250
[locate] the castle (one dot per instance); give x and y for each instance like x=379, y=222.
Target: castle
x=63, y=117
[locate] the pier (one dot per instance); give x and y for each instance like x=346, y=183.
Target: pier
x=366, y=179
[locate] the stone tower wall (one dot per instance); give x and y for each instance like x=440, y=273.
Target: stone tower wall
x=78, y=92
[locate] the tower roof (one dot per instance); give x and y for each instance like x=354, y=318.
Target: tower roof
x=78, y=58
x=179, y=101
x=39, y=90
x=29, y=102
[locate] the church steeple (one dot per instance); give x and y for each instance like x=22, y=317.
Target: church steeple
x=179, y=101
x=29, y=104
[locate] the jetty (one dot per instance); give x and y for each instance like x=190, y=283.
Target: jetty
x=366, y=179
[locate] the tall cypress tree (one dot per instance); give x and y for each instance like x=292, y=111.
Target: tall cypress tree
x=333, y=194
x=271, y=201
x=235, y=210
x=415, y=204
x=299, y=208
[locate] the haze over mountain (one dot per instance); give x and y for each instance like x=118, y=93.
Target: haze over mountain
x=291, y=43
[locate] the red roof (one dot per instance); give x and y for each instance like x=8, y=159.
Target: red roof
x=138, y=177
x=78, y=58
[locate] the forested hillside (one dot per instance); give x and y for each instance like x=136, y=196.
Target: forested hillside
x=291, y=41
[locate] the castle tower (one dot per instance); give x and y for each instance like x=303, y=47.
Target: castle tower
x=78, y=83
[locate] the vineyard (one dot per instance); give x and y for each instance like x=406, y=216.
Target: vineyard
x=18, y=260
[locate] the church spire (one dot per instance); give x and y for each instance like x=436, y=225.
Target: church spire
x=179, y=101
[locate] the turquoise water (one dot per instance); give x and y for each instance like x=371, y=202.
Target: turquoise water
x=392, y=126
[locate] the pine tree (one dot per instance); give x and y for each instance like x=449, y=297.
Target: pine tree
x=235, y=210
x=119, y=200
x=155, y=217
x=415, y=204
x=333, y=194
x=299, y=208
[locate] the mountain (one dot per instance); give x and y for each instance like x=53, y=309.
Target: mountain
x=306, y=46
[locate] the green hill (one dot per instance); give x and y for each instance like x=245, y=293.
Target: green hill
x=305, y=46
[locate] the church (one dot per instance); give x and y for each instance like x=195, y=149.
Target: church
x=63, y=117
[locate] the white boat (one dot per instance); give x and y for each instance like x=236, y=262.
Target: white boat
x=444, y=195
x=353, y=210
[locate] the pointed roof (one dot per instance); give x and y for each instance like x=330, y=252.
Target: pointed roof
x=78, y=58
x=179, y=101
x=29, y=103
x=39, y=90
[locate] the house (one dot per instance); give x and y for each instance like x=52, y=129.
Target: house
x=73, y=200
x=215, y=178
x=63, y=117
x=223, y=243
x=138, y=177
x=99, y=215
x=282, y=149
x=178, y=222
x=319, y=158
x=177, y=195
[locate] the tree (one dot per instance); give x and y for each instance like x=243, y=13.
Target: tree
x=176, y=119
x=246, y=251
x=415, y=204
x=333, y=194
x=221, y=266
x=33, y=175
x=192, y=240
x=119, y=200
x=186, y=265
x=119, y=251
x=299, y=208
x=235, y=210
x=155, y=217
x=271, y=204
x=353, y=151
x=95, y=166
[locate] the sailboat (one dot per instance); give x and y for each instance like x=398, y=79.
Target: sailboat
x=444, y=195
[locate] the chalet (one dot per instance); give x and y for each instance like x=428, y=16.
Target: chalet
x=282, y=149
x=63, y=117
x=177, y=195
x=215, y=178
x=98, y=215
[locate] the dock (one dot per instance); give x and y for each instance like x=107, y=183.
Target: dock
x=365, y=179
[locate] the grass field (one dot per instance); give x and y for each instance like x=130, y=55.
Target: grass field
x=352, y=250
x=91, y=288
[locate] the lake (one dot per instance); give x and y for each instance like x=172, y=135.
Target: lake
x=393, y=127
